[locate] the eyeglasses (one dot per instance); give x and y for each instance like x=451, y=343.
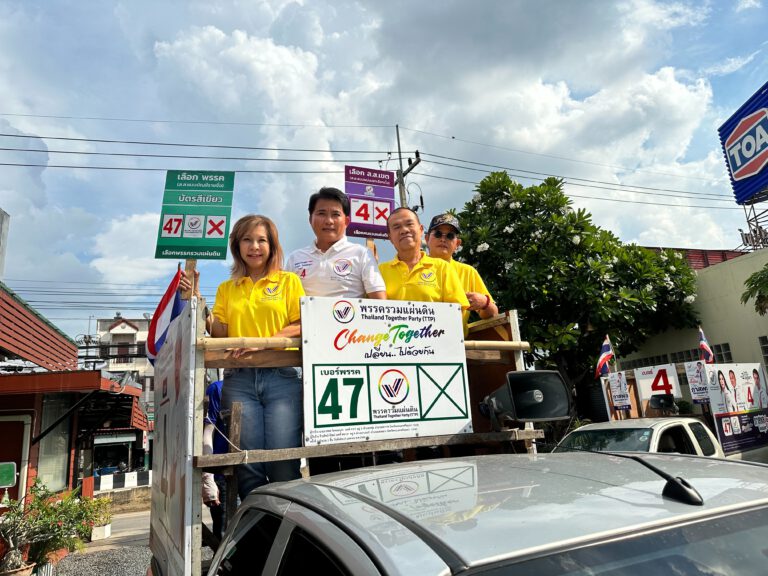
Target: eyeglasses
x=449, y=235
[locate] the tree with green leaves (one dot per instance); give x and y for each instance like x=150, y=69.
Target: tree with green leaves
x=571, y=281
x=757, y=289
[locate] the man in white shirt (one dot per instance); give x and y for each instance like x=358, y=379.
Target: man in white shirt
x=332, y=265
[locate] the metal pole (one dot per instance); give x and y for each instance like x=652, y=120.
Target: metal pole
x=400, y=177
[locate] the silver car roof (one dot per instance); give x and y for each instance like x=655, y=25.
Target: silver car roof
x=495, y=507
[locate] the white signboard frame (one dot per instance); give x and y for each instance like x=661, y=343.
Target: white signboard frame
x=176, y=495
x=660, y=379
x=378, y=370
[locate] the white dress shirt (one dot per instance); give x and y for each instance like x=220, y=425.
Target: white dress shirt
x=344, y=270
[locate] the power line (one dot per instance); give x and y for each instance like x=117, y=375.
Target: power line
x=138, y=169
x=569, y=178
x=204, y=122
x=182, y=145
x=554, y=156
x=613, y=188
x=187, y=157
x=598, y=198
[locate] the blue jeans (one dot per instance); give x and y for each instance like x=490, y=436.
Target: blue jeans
x=272, y=418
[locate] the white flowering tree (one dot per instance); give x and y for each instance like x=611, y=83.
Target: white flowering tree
x=571, y=281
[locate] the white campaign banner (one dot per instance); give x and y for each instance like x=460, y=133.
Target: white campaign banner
x=172, y=499
x=376, y=370
x=696, y=372
x=657, y=380
x=740, y=405
x=619, y=390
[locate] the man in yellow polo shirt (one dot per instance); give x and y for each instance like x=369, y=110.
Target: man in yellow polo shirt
x=412, y=275
x=443, y=241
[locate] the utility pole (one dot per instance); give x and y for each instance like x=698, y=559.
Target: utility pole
x=400, y=173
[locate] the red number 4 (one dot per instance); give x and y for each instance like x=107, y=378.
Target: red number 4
x=664, y=386
x=363, y=212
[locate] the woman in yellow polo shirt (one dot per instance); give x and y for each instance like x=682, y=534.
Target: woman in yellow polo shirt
x=261, y=300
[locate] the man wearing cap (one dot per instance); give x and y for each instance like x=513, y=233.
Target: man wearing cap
x=443, y=241
x=412, y=275
x=332, y=265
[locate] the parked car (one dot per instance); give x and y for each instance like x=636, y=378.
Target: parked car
x=671, y=434
x=574, y=513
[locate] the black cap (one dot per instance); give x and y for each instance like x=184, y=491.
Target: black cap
x=441, y=219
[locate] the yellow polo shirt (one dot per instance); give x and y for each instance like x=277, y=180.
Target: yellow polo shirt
x=258, y=310
x=431, y=280
x=471, y=282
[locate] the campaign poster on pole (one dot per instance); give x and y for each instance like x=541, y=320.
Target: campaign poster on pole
x=698, y=381
x=656, y=380
x=170, y=537
x=619, y=390
x=371, y=199
x=376, y=370
x=194, y=220
x=740, y=405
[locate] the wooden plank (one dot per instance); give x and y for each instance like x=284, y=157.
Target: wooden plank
x=481, y=325
x=226, y=343
x=261, y=359
x=480, y=356
x=496, y=345
x=234, y=438
x=213, y=460
x=189, y=270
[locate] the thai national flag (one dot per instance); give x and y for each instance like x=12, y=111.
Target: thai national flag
x=705, y=352
x=606, y=354
x=170, y=306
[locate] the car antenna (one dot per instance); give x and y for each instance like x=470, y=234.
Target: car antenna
x=676, y=488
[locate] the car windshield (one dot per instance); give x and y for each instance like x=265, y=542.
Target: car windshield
x=613, y=439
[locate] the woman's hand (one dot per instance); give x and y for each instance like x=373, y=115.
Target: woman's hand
x=238, y=352
x=186, y=284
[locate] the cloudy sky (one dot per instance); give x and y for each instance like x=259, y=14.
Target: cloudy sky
x=608, y=95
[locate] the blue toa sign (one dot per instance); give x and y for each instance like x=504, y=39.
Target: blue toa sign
x=744, y=137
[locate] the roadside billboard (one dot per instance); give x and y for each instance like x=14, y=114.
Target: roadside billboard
x=739, y=405
x=195, y=217
x=371, y=198
x=656, y=380
x=744, y=138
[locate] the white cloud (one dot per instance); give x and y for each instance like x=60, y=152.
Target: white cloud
x=747, y=4
x=125, y=251
x=730, y=65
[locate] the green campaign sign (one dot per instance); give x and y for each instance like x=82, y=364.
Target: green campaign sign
x=194, y=222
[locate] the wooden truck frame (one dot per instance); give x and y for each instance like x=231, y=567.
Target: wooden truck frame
x=177, y=533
